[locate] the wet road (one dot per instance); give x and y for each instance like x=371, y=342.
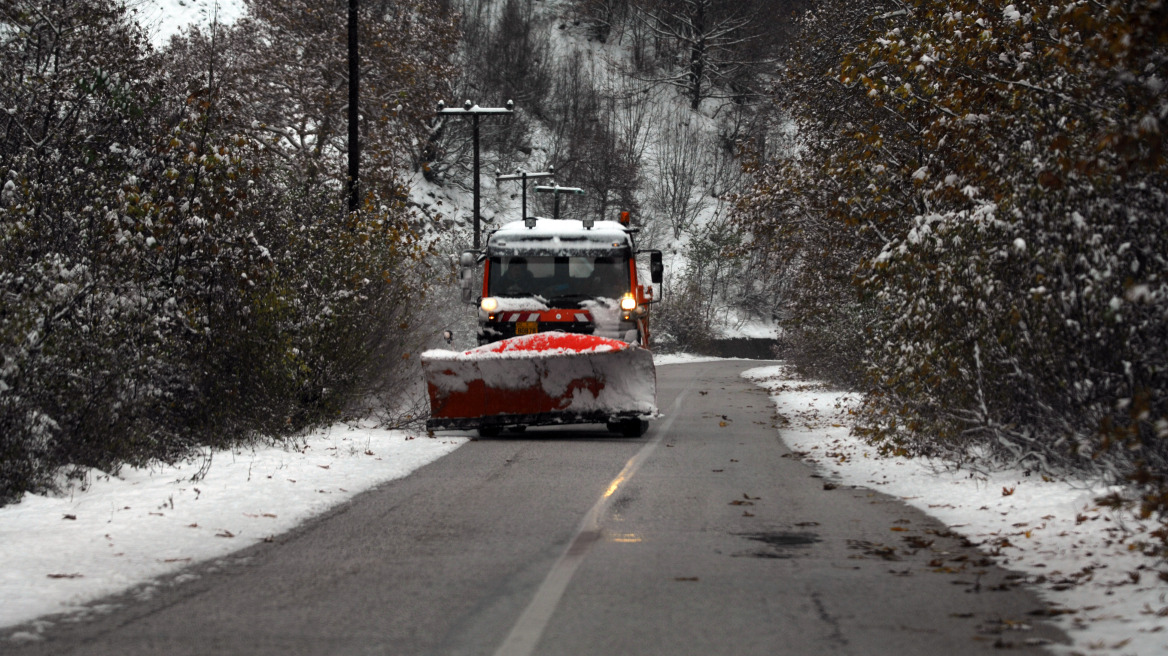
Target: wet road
x=702, y=537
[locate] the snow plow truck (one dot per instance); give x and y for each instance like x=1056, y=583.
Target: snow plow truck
x=563, y=332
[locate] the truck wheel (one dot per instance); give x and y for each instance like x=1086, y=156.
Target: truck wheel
x=630, y=427
x=490, y=431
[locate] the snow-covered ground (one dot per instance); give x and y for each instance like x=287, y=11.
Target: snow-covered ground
x=108, y=534
x=680, y=358
x=1085, y=561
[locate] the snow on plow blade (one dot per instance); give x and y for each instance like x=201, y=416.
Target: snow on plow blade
x=545, y=378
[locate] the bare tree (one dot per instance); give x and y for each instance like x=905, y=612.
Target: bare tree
x=604, y=17
x=711, y=37
x=681, y=164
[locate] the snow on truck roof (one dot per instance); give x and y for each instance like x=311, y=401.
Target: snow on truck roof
x=560, y=234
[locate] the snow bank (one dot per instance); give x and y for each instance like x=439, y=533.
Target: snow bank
x=61, y=552
x=1085, y=561
x=682, y=358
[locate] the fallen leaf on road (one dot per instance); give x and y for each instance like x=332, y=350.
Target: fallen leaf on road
x=917, y=542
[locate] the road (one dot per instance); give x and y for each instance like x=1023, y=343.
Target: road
x=705, y=536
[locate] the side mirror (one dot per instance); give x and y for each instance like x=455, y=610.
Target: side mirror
x=656, y=267
x=466, y=279
x=466, y=274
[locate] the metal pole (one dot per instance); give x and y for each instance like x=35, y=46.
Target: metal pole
x=556, y=190
x=523, y=181
x=472, y=110
x=523, y=176
x=475, y=118
x=354, y=131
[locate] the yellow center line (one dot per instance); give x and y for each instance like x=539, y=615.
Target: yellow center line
x=524, y=636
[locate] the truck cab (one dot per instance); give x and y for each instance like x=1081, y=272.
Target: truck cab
x=574, y=276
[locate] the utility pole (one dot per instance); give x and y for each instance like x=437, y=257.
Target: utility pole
x=474, y=111
x=354, y=116
x=556, y=190
x=523, y=177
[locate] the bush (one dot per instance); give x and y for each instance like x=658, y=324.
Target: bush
x=1002, y=237
x=176, y=271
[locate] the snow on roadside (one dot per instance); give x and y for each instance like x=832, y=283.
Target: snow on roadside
x=1085, y=561
x=61, y=552
x=681, y=358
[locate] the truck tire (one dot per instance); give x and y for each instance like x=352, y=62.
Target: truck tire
x=629, y=427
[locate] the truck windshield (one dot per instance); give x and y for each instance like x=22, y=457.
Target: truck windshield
x=553, y=277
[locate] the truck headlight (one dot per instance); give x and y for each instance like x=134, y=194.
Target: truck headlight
x=489, y=304
x=627, y=302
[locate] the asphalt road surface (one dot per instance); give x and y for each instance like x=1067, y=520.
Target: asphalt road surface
x=705, y=536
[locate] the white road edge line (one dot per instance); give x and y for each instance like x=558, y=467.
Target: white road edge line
x=524, y=636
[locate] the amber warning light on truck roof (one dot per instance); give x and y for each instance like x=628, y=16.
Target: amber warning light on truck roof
x=624, y=218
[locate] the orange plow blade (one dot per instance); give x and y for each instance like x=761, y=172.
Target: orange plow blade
x=540, y=379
